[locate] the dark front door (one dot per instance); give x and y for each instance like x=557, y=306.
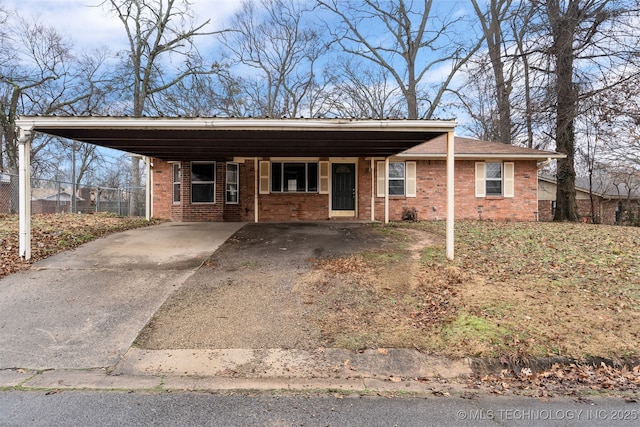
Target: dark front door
x=343, y=188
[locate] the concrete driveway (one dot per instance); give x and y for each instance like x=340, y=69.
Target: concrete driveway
x=84, y=308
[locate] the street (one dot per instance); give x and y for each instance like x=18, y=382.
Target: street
x=111, y=408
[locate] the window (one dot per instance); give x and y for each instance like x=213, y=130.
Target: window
x=396, y=178
x=299, y=177
x=402, y=179
x=494, y=179
x=203, y=182
x=232, y=183
x=177, y=175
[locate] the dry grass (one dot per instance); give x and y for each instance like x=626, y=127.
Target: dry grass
x=515, y=291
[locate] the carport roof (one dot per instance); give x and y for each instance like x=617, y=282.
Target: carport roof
x=217, y=138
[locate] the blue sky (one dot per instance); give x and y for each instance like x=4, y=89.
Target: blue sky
x=90, y=25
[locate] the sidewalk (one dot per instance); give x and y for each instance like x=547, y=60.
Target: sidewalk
x=384, y=370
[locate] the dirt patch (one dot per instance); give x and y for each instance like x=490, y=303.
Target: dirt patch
x=262, y=288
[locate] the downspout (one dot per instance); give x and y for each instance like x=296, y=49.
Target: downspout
x=450, y=196
x=256, y=188
x=373, y=190
x=386, y=190
x=24, y=173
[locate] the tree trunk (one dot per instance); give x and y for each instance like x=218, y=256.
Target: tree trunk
x=564, y=27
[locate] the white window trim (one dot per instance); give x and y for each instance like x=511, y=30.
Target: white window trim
x=205, y=182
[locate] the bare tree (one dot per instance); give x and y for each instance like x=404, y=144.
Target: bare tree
x=40, y=76
x=492, y=20
x=362, y=90
x=278, y=42
x=408, y=40
x=583, y=47
x=156, y=31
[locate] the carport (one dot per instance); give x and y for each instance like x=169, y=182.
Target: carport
x=175, y=139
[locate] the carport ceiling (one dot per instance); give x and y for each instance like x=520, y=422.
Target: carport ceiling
x=224, y=138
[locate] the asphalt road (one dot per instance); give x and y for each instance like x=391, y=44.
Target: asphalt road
x=80, y=408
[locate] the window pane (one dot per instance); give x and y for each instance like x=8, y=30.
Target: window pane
x=203, y=172
x=312, y=177
x=176, y=193
x=276, y=176
x=176, y=173
x=232, y=193
x=494, y=170
x=294, y=177
x=494, y=188
x=396, y=187
x=202, y=193
x=396, y=170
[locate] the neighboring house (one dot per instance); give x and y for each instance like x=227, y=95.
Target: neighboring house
x=46, y=201
x=612, y=202
x=230, y=169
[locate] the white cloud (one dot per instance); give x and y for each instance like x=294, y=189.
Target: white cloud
x=90, y=25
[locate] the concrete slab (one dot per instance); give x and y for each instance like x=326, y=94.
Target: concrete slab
x=14, y=377
x=169, y=246
x=91, y=380
x=84, y=308
x=281, y=363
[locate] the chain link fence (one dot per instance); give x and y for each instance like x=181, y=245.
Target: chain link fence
x=49, y=196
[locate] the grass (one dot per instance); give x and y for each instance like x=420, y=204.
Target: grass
x=514, y=291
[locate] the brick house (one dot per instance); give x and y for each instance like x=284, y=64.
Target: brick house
x=613, y=203
x=492, y=181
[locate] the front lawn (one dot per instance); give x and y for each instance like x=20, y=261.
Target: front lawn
x=515, y=291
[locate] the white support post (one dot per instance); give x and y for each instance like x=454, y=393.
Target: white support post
x=386, y=190
x=256, y=189
x=373, y=189
x=450, y=195
x=24, y=172
x=148, y=188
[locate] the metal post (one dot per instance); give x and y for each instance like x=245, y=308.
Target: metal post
x=24, y=164
x=147, y=183
x=373, y=189
x=256, y=188
x=386, y=190
x=450, y=195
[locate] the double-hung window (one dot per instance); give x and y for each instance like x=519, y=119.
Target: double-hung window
x=294, y=177
x=203, y=182
x=396, y=178
x=401, y=179
x=176, y=174
x=494, y=179
x=232, y=183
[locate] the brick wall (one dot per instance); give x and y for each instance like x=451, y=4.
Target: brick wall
x=162, y=192
x=605, y=210
x=431, y=199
